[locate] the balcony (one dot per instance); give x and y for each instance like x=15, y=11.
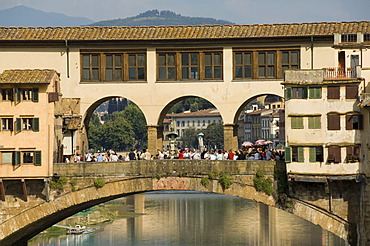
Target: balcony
x=337, y=73
x=318, y=76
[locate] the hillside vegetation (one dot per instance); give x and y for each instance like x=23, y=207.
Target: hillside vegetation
x=160, y=18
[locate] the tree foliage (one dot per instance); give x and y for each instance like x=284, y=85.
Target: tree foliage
x=214, y=135
x=160, y=18
x=189, y=138
x=121, y=130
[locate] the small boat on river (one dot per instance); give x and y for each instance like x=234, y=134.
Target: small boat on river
x=76, y=230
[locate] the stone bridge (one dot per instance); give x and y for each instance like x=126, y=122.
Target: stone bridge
x=79, y=186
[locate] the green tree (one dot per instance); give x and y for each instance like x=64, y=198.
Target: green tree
x=214, y=135
x=137, y=119
x=189, y=138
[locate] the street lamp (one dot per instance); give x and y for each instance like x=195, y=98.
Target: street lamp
x=172, y=136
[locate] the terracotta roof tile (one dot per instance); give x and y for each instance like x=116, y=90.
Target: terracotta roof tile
x=182, y=32
x=27, y=76
x=205, y=112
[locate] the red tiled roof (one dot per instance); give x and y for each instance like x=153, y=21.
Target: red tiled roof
x=182, y=32
x=205, y=112
x=27, y=76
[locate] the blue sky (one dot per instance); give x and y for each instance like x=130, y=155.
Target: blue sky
x=238, y=11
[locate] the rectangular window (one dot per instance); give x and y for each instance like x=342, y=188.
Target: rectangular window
x=351, y=91
x=353, y=154
x=316, y=154
x=91, y=67
x=296, y=93
x=27, y=124
x=117, y=66
x=6, y=94
x=267, y=64
x=136, y=67
x=333, y=92
x=366, y=37
x=314, y=122
x=113, y=67
x=7, y=157
x=297, y=154
x=27, y=157
x=243, y=65
x=349, y=38
x=167, y=66
x=7, y=124
x=333, y=122
x=354, y=122
x=190, y=66
x=296, y=122
x=314, y=92
x=289, y=60
x=213, y=65
x=334, y=154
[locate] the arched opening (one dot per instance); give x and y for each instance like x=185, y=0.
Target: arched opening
x=112, y=125
x=261, y=118
x=193, y=124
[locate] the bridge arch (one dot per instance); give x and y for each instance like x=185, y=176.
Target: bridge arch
x=29, y=223
x=248, y=101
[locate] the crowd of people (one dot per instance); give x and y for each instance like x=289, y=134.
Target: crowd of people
x=252, y=153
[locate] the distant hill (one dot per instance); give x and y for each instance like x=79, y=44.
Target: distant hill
x=29, y=17
x=160, y=18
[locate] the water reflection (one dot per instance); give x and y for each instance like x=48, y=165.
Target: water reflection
x=188, y=218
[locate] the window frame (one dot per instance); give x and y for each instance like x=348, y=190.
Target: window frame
x=102, y=65
x=333, y=122
x=278, y=62
x=333, y=92
x=351, y=91
x=316, y=154
x=334, y=154
x=201, y=67
x=314, y=122
x=9, y=124
x=296, y=122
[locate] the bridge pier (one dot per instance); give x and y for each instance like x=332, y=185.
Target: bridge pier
x=230, y=136
x=155, y=140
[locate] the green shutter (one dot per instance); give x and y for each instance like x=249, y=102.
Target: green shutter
x=35, y=125
x=297, y=122
x=18, y=124
x=17, y=158
x=288, y=93
x=313, y=154
x=288, y=154
x=304, y=92
x=37, y=160
x=314, y=92
x=314, y=122
x=300, y=154
x=35, y=94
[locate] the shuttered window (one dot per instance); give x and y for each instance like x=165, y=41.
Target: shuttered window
x=351, y=91
x=316, y=154
x=314, y=122
x=288, y=154
x=314, y=92
x=300, y=154
x=37, y=161
x=297, y=122
x=17, y=158
x=333, y=92
x=353, y=153
x=35, y=94
x=288, y=93
x=354, y=122
x=334, y=154
x=333, y=122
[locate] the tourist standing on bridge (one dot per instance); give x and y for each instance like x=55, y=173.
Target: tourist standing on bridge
x=145, y=155
x=132, y=155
